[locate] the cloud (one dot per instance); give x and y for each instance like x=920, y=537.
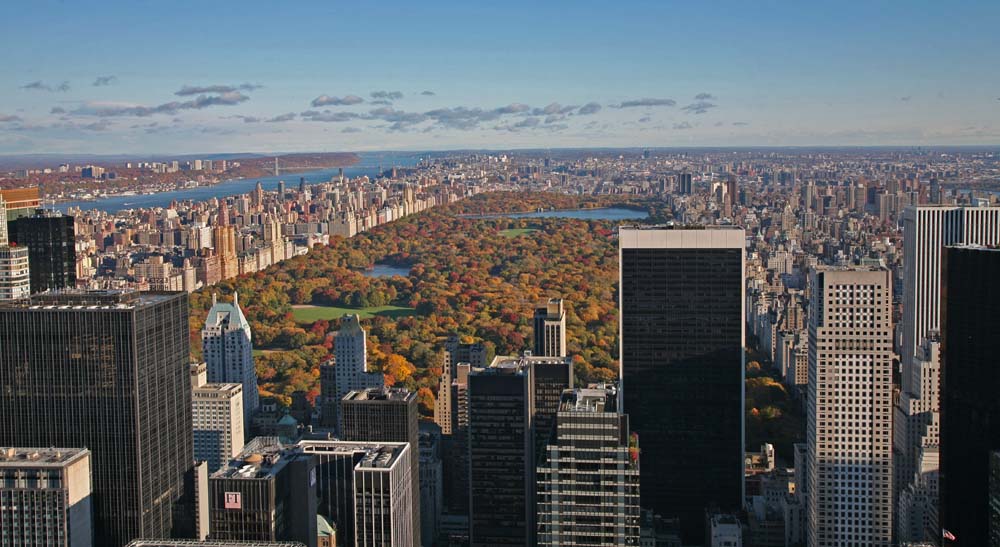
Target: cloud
x=282, y=118
x=350, y=130
x=645, y=119
x=905, y=99
x=107, y=110
x=464, y=118
x=527, y=123
x=7, y=118
x=57, y=110
x=683, y=125
x=104, y=80
x=246, y=119
x=699, y=107
x=188, y=90
x=328, y=116
x=553, y=109
x=38, y=85
x=646, y=102
x=513, y=108
x=428, y=93
x=327, y=100
x=704, y=97
x=387, y=95
x=589, y=108
x=741, y=124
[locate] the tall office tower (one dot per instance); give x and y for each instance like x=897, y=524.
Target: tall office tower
x=189, y=543
x=917, y=425
x=46, y=497
x=849, y=421
x=350, y=353
x=328, y=393
x=501, y=456
x=50, y=238
x=15, y=274
x=808, y=195
x=548, y=378
x=350, y=489
x=106, y=370
x=684, y=186
x=227, y=348
x=682, y=336
x=386, y=414
x=216, y=419
x=431, y=482
x=591, y=445
x=550, y=329
x=970, y=408
x=268, y=493
x=456, y=446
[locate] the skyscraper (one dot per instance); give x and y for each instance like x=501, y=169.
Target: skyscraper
x=106, y=370
x=386, y=415
x=970, y=381
x=351, y=359
x=46, y=497
x=15, y=276
x=50, y=238
x=501, y=457
x=849, y=421
x=588, y=485
x=682, y=337
x=217, y=419
x=227, y=348
x=550, y=329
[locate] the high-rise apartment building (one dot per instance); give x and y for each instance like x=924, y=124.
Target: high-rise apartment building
x=970, y=407
x=588, y=485
x=386, y=415
x=431, y=482
x=15, y=273
x=456, y=447
x=501, y=456
x=50, y=238
x=681, y=313
x=328, y=401
x=475, y=355
x=548, y=377
x=350, y=352
x=364, y=490
x=45, y=496
x=216, y=419
x=267, y=493
x=550, y=329
x=227, y=348
x=849, y=419
x=105, y=370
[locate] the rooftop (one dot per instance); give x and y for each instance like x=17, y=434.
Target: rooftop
x=521, y=361
x=376, y=455
x=596, y=398
x=381, y=394
x=262, y=457
x=40, y=457
x=192, y=543
x=80, y=299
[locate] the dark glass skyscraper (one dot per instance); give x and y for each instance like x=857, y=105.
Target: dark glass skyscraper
x=681, y=313
x=51, y=241
x=970, y=382
x=108, y=371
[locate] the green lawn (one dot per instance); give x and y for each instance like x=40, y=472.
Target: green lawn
x=259, y=352
x=308, y=313
x=515, y=232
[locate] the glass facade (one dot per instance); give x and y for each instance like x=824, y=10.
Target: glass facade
x=682, y=374
x=107, y=371
x=51, y=243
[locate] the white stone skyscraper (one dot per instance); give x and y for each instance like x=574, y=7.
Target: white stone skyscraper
x=849, y=419
x=216, y=419
x=351, y=359
x=227, y=348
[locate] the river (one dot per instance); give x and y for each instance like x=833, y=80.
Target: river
x=368, y=164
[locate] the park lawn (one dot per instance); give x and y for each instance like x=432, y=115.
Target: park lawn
x=308, y=313
x=515, y=232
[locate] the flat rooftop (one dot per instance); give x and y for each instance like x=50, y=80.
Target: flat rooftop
x=380, y=394
x=520, y=361
x=261, y=458
x=590, y=399
x=78, y=299
x=376, y=455
x=40, y=457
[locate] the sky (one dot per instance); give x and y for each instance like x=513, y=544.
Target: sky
x=138, y=76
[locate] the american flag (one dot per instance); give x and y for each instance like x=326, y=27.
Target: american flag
x=947, y=535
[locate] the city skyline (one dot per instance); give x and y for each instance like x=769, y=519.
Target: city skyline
x=444, y=76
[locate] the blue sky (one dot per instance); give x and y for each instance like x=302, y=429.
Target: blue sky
x=105, y=78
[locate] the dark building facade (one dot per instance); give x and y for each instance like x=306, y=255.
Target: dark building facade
x=51, y=242
x=682, y=336
x=970, y=382
x=386, y=415
x=501, y=457
x=106, y=370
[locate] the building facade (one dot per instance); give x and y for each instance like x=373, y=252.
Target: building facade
x=51, y=241
x=849, y=420
x=351, y=359
x=550, y=329
x=106, y=370
x=227, y=347
x=682, y=337
x=588, y=485
x=45, y=494
x=15, y=272
x=216, y=419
